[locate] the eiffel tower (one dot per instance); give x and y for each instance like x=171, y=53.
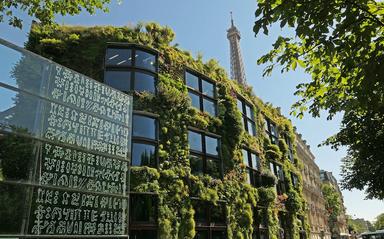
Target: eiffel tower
x=237, y=66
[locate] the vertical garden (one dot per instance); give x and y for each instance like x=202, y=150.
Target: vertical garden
x=254, y=190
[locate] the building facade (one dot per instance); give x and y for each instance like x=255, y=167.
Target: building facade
x=209, y=160
x=340, y=229
x=316, y=212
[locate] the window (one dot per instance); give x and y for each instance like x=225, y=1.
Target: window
x=252, y=163
x=248, y=116
x=277, y=170
x=143, y=216
x=260, y=218
x=290, y=147
x=204, y=154
x=282, y=225
x=210, y=220
x=130, y=69
x=144, y=140
x=271, y=130
x=295, y=180
x=202, y=93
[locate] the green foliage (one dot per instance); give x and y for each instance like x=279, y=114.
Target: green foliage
x=172, y=181
x=341, y=45
x=333, y=204
x=379, y=223
x=45, y=11
x=357, y=226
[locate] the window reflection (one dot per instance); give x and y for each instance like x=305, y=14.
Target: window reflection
x=212, y=145
x=213, y=168
x=248, y=118
x=219, y=235
x=144, y=126
x=208, y=88
x=141, y=234
x=209, y=106
x=143, y=208
x=201, y=235
x=192, y=81
x=143, y=155
x=195, y=142
x=144, y=82
x=196, y=163
x=145, y=60
x=120, y=80
x=118, y=57
x=12, y=201
x=195, y=99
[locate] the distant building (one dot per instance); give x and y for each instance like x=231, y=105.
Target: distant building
x=316, y=212
x=341, y=229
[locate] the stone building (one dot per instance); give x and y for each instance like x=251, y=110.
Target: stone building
x=341, y=228
x=316, y=212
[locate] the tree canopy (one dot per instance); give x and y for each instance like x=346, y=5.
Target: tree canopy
x=333, y=205
x=379, y=223
x=340, y=43
x=45, y=10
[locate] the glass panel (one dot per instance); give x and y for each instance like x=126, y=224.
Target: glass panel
x=118, y=57
x=143, y=208
x=145, y=82
x=195, y=99
x=248, y=175
x=213, y=168
x=143, y=155
x=144, y=126
x=251, y=128
x=145, y=60
x=201, y=235
x=273, y=130
x=209, y=107
x=141, y=234
x=255, y=161
x=249, y=111
x=245, y=157
x=200, y=211
x=212, y=145
x=239, y=105
x=13, y=202
x=120, y=80
x=219, y=234
x=280, y=172
x=197, y=166
x=192, y=81
x=208, y=88
x=218, y=213
x=195, y=141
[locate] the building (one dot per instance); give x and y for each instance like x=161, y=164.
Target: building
x=209, y=160
x=316, y=212
x=340, y=230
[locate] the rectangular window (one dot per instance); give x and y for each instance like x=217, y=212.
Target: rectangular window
x=295, y=180
x=271, y=130
x=204, y=154
x=290, y=148
x=248, y=116
x=277, y=170
x=144, y=140
x=143, y=216
x=260, y=218
x=210, y=220
x=118, y=57
x=145, y=60
x=202, y=92
x=252, y=163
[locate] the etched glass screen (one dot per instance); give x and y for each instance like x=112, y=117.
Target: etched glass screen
x=64, y=150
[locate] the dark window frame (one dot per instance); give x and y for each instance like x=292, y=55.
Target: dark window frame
x=255, y=171
x=132, y=69
x=245, y=118
x=144, y=225
x=271, y=130
x=199, y=92
x=281, y=184
x=203, y=154
x=209, y=226
x=261, y=222
x=295, y=180
x=290, y=148
x=147, y=141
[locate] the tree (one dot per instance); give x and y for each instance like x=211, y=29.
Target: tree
x=332, y=204
x=45, y=10
x=379, y=223
x=340, y=43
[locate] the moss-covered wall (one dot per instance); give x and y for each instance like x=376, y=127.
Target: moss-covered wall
x=83, y=48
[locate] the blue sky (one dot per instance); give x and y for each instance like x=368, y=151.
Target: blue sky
x=200, y=26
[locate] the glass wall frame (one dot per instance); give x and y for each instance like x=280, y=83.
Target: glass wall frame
x=248, y=115
x=271, y=130
x=253, y=165
x=199, y=92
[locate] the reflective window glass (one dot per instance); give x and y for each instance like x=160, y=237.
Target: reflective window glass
x=144, y=126
x=12, y=201
x=249, y=112
x=143, y=208
x=251, y=128
x=143, y=234
x=255, y=161
x=118, y=57
x=240, y=105
x=192, y=81
x=195, y=142
x=143, y=155
x=218, y=213
x=120, y=80
x=201, y=235
x=209, y=107
x=219, y=234
x=245, y=157
x=197, y=165
x=248, y=175
x=213, y=168
x=212, y=145
x=195, y=99
x=145, y=82
x=208, y=88
x=200, y=211
x=145, y=60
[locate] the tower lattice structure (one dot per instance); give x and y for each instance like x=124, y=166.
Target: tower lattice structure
x=237, y=66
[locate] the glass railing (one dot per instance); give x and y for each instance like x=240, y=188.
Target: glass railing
x=64, y=151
